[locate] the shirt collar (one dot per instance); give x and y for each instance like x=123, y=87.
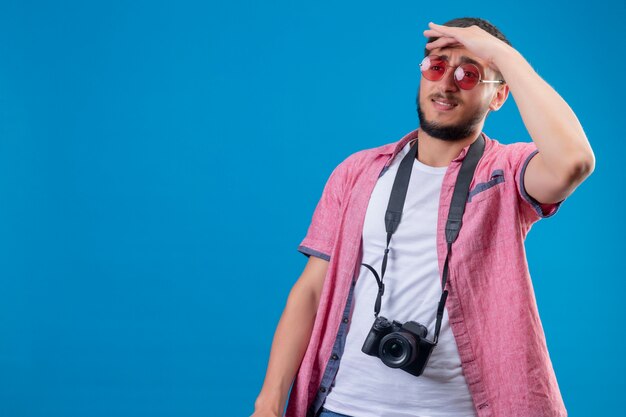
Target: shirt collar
x=395, y=147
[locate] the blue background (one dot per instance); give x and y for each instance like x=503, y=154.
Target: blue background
x=160, y=163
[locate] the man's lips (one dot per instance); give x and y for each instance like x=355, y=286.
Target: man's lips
x=443, y=104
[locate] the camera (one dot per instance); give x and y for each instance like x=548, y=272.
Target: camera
x=399, y=345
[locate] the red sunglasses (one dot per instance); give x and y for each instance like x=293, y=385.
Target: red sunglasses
x=466, y=76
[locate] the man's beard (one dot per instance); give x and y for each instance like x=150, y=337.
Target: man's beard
x=451, y=132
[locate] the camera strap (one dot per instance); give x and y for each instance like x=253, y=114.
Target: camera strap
x=393, y=216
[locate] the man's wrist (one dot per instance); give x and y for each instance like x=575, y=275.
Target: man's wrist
x=269, y=403
x=506, y=58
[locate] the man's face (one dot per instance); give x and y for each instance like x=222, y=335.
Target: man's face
x=469, y=106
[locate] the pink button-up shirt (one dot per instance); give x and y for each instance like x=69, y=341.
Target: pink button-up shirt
x=491, y=304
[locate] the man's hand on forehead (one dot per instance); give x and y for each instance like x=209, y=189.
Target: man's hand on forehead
x=477, y=41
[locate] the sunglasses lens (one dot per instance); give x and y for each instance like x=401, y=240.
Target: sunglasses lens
x=466, y=76
x=433, y=68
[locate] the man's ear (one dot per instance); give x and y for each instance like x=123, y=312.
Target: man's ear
x=501, y=94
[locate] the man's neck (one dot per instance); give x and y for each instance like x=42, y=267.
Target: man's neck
x=439, y=153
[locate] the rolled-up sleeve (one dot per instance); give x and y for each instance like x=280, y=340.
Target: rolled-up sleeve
x=323, y=229
x=530, y=208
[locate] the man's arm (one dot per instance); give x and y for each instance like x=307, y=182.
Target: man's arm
x=291, y=339
x=565, y=157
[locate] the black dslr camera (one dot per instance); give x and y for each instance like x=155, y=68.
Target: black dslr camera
x=399, y=345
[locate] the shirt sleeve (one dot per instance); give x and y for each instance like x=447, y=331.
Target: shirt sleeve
x=323, y=229
x=531, y=209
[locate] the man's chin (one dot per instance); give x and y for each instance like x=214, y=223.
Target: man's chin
x=448, y=132
x=451, y=131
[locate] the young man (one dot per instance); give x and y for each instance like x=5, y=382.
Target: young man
x=491, y=357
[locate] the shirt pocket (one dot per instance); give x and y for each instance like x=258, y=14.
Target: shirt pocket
x=486, y=189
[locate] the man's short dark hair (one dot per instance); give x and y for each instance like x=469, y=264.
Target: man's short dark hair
x=465, y=22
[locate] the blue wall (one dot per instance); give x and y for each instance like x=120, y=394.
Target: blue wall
x=160, y=162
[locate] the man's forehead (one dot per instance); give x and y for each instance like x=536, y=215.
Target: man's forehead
x=464, y=58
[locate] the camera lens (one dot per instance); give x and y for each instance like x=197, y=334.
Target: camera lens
x=397, y=349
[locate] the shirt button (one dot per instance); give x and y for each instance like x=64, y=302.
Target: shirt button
x=335, y=356
x=323, y=389
x=345, y=319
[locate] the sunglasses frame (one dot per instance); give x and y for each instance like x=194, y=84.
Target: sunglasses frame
x=448, y=66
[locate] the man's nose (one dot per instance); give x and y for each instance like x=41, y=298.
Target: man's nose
x=447, y=81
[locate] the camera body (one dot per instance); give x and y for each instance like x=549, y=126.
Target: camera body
x=399, y=345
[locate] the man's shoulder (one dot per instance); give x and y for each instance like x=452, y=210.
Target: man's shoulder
x=361, y=159
x=509, y=151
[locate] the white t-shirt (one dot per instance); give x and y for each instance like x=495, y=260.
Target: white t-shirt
x=364, y=386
